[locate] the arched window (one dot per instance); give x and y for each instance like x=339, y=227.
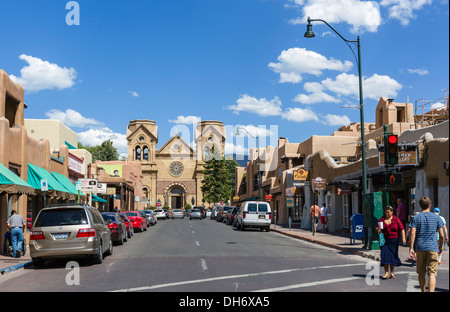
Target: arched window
x=138, y=153
x=145, y=157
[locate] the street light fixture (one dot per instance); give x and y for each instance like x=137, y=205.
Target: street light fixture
x=310, y=34
x=259, y=158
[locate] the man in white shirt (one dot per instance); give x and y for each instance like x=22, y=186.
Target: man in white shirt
x=16, y=224
x=323, y=217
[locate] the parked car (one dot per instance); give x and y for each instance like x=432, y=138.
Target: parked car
x=177, y=213
x=195, y=214
x=68, y=231
x=222, y=213
x=117, y=227
x=160, y=214
x=151, y=216
x=254, y=214
x=128, y=223
x=145, y=216
x=138, y=222
x=231, y=215
x=202, y=210
x=208, y=213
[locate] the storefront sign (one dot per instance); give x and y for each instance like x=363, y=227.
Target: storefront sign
x=319, y=184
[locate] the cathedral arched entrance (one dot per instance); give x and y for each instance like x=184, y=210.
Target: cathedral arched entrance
x=176, y=194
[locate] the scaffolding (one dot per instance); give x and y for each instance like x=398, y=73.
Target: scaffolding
x=427, y=113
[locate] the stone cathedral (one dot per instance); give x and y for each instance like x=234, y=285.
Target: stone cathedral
x=172, y=174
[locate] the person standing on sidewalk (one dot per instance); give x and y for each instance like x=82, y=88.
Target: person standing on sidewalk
x=423, y=230
x=392, y=226
x=314, y=211
x=437, y=212
x=401, y=211
x=323, y=217
x=16, y=224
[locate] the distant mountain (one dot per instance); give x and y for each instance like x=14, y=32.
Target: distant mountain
x=242, y=160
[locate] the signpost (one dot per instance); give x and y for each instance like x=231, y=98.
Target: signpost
x=44, y=188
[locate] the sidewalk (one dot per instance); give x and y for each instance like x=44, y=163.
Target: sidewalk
x=341, y=241
x=9, y=264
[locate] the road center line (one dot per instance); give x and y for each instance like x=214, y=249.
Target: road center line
x=197, y=243
x=203, y=264
x=219, y=278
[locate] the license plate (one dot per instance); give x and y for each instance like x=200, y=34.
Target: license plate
x=61, y=235
x=262, y=216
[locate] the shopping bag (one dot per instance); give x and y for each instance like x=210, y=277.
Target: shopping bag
x=381, y=240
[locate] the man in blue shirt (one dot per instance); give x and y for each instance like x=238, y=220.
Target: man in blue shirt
x=423, y=230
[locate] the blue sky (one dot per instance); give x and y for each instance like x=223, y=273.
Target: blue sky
x=243, y=62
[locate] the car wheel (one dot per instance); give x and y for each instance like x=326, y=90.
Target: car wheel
x=120, y=242
x=98, y=258
x=109, y=252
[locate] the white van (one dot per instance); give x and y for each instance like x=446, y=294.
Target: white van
x=254, y=214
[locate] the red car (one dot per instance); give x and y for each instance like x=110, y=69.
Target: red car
x=116, y=226
x=127, y=221
x=138, y=222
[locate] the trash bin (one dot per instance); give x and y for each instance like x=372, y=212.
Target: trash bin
x=357, y=228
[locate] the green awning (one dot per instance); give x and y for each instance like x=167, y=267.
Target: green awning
x=66, y=183
x=98, y=199
x=36, y=174
x=12, y=184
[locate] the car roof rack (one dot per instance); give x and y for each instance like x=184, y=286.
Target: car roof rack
x=68, y=204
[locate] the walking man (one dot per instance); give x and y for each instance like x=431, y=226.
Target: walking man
x=314, y=211
x=323, y=217
x=427, y=249
x=16, y=224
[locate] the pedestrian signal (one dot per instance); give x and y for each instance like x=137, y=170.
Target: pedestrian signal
x=392, y=149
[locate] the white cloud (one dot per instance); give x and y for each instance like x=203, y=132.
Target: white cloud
x=374, y=87
x=72, y=118
x=294, y=62
x=419, y=71
x=336, y=120
x=230, y=148
x=186, y=120
x=134, y=93
x=42, y=75
x=402, y=10
x=93, y=137
x=262, y=106
x=360, y=15
x=297, y=114
x=315, y=98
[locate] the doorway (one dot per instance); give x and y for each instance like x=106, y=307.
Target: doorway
x=176, y=198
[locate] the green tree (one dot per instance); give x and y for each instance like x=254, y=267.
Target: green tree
x=104, y=152
x=216, y=184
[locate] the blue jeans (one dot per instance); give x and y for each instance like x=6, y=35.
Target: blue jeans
x=17, y=240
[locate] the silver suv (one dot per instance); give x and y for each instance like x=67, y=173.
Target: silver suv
x=69, y=230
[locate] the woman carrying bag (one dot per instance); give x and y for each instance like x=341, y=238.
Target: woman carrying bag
x=390, y=226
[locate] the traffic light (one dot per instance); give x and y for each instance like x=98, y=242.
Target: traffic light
x=392, y=149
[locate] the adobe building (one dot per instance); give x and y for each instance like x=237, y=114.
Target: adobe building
x=172, y=174
x=337, y=159
x=24, y=161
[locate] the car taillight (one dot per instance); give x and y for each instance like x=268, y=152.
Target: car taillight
x=270, y=217
x=113, y=226
x=86, y=233
x=37, y=235
x=243, y=216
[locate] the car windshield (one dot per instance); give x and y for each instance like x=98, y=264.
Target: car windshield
x=61, y=216
x=124, y=216
x=158, y=211
x=132, y=214
x=177, y=210
x=195, y=210
x=252, y=207
x=262, y=207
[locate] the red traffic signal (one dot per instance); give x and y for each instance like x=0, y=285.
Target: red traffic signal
x=392, y=139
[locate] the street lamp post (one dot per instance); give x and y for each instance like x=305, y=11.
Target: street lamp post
x=259, y=158
x=310, y=34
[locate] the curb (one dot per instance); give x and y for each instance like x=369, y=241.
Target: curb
x=329, y=245
x=14, y=268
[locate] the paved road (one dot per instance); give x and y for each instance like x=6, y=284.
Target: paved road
x=207, y=256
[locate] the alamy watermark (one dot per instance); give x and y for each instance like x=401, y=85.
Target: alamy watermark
x=73, y=16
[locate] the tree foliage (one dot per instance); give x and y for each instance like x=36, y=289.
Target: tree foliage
x=218, y=173
x=104, y=152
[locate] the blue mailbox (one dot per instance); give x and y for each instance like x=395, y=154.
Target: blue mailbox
x=357, y=228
